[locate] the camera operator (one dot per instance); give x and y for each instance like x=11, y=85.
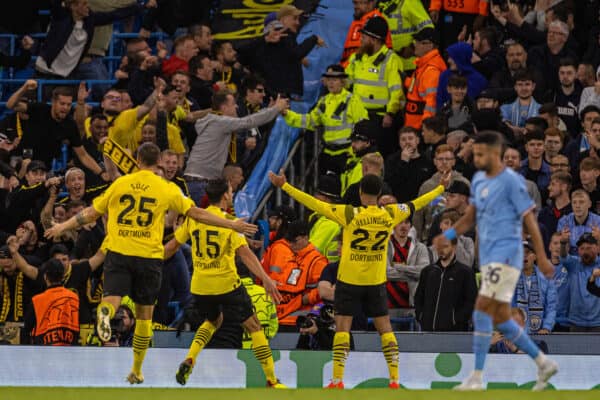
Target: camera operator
x=122, y=326
x=317, y=328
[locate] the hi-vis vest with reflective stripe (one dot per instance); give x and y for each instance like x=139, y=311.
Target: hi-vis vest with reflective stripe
x=376, y=80
x=336, y=114
x=404, y=18
x=325, y=236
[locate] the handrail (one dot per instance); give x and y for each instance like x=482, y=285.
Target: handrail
x=67, y=82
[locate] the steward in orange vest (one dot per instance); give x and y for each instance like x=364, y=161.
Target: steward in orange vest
x=297, y=266
x=53, y=319
x=421, y=86
x=363, y=11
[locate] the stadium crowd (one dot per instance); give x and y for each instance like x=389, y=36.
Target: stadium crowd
x=416, y=81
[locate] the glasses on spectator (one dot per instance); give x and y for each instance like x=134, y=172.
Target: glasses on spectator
x=445, y=159
x=556, y=33
x=560, y=165
x=112, y=97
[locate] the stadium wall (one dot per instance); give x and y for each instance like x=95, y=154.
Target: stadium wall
x=107, y=367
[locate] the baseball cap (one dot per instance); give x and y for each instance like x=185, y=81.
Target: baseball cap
x=376, y=27
x=36, y=165
x=427, y=34
x=459, y=187
x=487, y=94
x=288, y=9
x=586, y=238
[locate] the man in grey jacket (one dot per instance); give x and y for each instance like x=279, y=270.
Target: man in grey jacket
x=216, y=132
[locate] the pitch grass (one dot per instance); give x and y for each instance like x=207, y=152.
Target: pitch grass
x=138, y=393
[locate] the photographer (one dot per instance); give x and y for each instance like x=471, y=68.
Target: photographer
x=122, y=326
x=317, y=328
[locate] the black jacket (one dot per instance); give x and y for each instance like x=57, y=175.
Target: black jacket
x=592, y=288
x=490, y=63
x=540, y=58
x=445, y=297
x=405, y=178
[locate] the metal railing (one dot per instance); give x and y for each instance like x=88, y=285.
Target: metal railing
x=56, y=82
x=298, y=159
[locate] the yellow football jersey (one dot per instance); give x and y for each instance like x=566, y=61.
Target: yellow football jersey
x=366, y=233
x=136, y=204
x=213, y=255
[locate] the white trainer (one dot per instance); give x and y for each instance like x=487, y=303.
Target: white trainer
x=545, y=372
x=470, y=384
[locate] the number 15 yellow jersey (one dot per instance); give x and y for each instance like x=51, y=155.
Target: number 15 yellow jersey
x=366, y=233
x=136, y=204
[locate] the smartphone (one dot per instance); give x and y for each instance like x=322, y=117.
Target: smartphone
x=27, y=154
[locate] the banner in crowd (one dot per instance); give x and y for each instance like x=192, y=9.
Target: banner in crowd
x=120, y=157
x=243, y=19
x=107, y=367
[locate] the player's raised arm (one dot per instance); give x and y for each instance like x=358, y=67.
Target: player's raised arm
x=250, y=260
x=84, y=217
x=238, y=225
x=533, y=229
x=309, y=201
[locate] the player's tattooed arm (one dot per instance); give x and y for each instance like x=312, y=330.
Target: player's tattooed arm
x=84, y=217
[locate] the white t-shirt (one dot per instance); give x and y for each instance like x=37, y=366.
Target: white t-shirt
x=67, y=59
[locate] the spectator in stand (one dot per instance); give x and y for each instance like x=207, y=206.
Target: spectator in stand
x=168, y=15
x=457, y=111
x=446, y=293
x=70, y=35
x=549, y=112
x=535, y=295
x=406, y=170
x=534, y=168
x=560, y=163
x=512, y=159
x=452, y=17
x=554, y=141
x=421, y=94
x=325, y=233
x=586, y=75
x=406, y=259
x=561, y=283
x=203, y=38
x=546, y=58
x=502, y=83
x=591, y=92
x=201, y=74
x=229, y=74
x=515, y=114
x=487, y=54
x=567, y=95
x=52, y=319
x=216, y=131
x=456, y=199
x=559, y=203
x=371, y=164
x=577, y=148
x=363, y=11
x=184, y=48
x=584, y=308
x=434, y=135
x=279, y=217
x=581, y=220
x=465, y=248
x=500, y=345
x=589, y=171
x=21, y=60
x=444, y=162
x=296, y=265
x=93, y=145
x=51, y=126
x=363, y=144
x=459, y=61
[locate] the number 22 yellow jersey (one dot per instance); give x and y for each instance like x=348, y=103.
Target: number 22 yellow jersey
x=136, y=204
x=366, y=233
x=213, y=255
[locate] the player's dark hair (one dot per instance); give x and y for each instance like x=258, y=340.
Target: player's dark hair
x=296, y=229
x=148, y=154
x=215, y=190
x=489, y=138
x=54, y=271
x=371, y=185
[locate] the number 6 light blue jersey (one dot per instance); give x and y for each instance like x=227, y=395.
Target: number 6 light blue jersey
x=501, y=202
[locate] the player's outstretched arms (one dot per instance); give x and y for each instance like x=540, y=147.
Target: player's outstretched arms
x=171, y=248
x=250, y=260
x=238, y=225
x=84, y=217
x=422, y=201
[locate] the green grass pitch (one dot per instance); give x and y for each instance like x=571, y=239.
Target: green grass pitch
x=139, y=393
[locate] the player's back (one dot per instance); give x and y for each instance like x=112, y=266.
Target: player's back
x=136, y=204
x=213, y=255
x=501, y=202
x=364, y=247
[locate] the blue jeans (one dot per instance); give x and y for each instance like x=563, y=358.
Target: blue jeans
x=95, y=69
x=197, y=190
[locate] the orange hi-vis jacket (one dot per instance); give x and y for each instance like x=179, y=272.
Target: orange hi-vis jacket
x=461, y=6
x=352, y=42
x=56, y=317
x=297, y=275
x=421, y=88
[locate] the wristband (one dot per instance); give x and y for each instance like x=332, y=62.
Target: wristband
x=450, y=234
